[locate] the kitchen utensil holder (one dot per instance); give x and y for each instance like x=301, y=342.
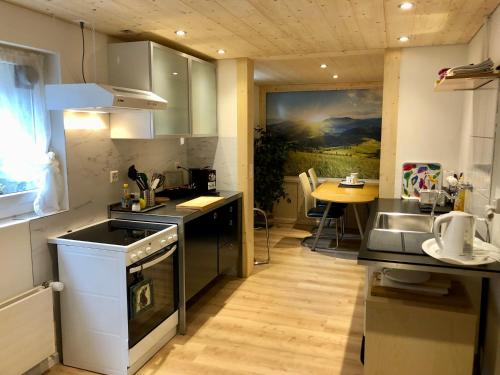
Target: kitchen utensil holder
x=149, y=197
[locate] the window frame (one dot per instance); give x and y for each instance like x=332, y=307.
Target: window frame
x=16, y=204
x=21, y=203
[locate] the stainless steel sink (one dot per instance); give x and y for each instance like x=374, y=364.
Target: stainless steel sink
x=398, y=222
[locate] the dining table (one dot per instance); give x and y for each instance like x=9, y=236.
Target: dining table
x=335, y=192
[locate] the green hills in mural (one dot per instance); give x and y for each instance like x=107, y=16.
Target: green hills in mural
x=335, y=146
x=331, y=132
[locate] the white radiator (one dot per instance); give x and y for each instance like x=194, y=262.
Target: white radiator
x=26, y=330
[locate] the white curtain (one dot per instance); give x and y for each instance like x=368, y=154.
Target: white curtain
x=24, y=148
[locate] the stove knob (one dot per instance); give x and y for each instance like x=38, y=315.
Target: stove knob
x=163, y=242
x=134, y=257
x=174, y=236
x=149, y=250
x=140, y=254
x=170, y=239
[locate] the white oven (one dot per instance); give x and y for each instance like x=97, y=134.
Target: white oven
x=120, y=302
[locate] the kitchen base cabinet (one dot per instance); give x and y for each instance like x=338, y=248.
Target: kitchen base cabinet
x=201, y=253
x=407, y=334
x=212, y=247
x=230, y=239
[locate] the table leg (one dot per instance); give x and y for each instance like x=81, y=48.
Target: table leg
x=321, y=225
x=360, y=228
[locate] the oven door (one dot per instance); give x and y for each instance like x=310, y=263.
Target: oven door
x=152, y=292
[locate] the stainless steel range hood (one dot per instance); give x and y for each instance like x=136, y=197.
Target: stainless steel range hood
x=94, y=97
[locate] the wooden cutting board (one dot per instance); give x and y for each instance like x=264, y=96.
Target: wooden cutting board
x=200, y=203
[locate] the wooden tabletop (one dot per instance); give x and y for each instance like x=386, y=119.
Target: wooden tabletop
x=331, y=192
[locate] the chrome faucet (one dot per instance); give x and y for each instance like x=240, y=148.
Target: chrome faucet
x=436, y=200
x=461, y=186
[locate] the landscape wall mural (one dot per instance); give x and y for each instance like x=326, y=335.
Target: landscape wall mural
x=335, y=131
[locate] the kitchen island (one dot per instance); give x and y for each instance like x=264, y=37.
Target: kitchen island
x=209, y=242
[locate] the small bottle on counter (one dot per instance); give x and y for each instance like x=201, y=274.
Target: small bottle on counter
x=125, y=202
x=136, y=205
x=459, y=204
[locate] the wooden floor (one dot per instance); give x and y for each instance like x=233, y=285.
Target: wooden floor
x=302, y=314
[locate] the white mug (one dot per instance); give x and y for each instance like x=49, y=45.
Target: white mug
x=457, y=239
x=354, y=178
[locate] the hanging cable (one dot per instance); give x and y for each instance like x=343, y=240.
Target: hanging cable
x=82, y=24
x=95, y=55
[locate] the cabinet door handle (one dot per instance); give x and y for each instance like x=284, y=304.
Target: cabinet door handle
x=230, y=223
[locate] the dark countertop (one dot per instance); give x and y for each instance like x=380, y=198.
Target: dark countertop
x=413, y=258
x=169, y=213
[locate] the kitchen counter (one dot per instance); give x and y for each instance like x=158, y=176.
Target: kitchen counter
x=209, y=242
x=385, y=255
x=171, y=214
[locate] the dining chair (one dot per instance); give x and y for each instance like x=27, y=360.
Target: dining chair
x=314, y=178
x=311, y=211
x=315, y=183
x=266, y=227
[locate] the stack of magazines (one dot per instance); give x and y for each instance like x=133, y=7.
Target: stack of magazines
x=484, y=67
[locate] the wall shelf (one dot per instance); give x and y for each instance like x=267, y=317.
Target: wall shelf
x=470, y=82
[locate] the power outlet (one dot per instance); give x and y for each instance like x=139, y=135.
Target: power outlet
x=113, y=177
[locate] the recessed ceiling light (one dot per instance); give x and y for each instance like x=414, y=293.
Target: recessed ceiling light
x=174, y=73
x=335, y=76
x=221, y=51
x=406, y=5
x=323, y=66
x=403, y=38
x=181, y=33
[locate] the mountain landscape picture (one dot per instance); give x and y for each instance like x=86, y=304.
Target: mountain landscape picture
x=336, y=132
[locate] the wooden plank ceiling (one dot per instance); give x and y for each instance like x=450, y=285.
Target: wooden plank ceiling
x=287, y=38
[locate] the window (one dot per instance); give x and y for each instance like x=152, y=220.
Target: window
x=25, y=139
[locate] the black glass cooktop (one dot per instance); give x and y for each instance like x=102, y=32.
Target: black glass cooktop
x=116, y=232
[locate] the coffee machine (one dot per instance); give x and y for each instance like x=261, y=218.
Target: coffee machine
x=202, y=180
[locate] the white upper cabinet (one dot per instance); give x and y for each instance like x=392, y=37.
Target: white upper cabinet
x=187, y=83
x=203, y=98
x=170, y=80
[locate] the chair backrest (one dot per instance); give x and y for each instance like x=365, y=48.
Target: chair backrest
x=314, y=177
x=306, y=188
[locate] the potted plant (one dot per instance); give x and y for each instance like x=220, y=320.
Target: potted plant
x=270, y=155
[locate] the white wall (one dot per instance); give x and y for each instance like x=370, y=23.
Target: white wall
x=90, y=153
x=429, y=123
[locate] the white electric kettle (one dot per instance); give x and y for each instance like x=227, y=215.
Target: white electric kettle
x=457, y=238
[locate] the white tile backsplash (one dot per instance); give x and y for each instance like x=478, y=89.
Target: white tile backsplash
x=201, y=152
x=482, y=141
x=219, y=153
x=484, y=110
x=482, y=165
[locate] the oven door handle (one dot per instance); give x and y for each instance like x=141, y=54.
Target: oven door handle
x=154, y=261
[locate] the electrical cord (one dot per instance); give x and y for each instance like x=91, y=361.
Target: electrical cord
x=82, y=24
